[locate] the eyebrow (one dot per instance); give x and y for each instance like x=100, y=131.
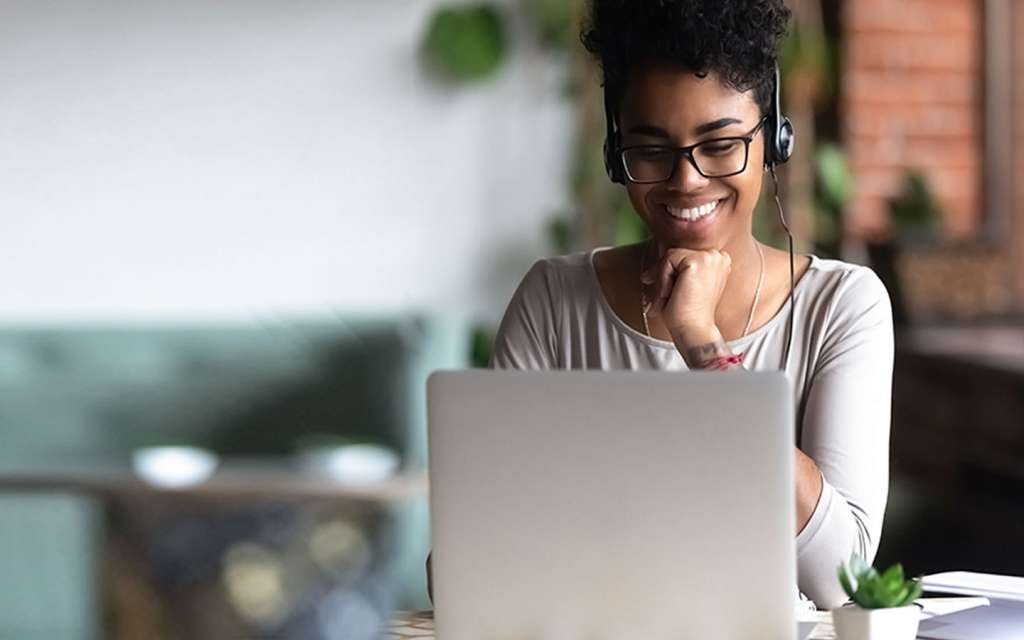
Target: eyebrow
x=707, y=127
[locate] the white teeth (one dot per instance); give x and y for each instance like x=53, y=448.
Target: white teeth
x=694, y=213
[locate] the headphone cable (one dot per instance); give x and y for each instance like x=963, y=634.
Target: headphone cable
x=792, y=285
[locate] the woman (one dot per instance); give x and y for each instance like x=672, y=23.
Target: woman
x=690, y=88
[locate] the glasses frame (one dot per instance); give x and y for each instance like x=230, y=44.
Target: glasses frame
x=688, y=153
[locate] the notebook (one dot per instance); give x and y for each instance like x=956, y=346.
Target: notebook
x=968, y=583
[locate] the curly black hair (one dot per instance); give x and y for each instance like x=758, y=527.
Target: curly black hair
x=736, y=39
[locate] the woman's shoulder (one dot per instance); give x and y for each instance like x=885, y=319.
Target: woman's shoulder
x=527, y=336
x=847, y=293
x=573, y=263
x=560, y=275
x=838, y=277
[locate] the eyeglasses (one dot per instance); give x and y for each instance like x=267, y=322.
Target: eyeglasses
x=717, y=158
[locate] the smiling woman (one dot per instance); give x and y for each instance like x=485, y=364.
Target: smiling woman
x=691, y=92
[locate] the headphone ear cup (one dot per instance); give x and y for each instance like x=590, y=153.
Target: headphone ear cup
x=780, y=143
x=612, y=142
x=782, y=139
x=785, y=141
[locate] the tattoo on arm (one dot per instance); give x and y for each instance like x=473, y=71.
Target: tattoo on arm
x=701, y=356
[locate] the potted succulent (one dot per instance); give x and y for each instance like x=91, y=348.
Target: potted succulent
x=883, y=603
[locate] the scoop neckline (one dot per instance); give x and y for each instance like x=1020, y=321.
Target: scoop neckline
x=668, y=344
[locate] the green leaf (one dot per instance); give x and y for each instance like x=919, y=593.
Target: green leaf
x=873, y=593
x=844, y=580
x=861, y=570
x=914, y=594
x=915, y=207
x=836, y=181
x=863, y=595
x=482, y=345
x=893, y=578
x=872, y=577
x=895, y=598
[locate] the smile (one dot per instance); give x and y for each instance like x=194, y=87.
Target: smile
x=695, y=213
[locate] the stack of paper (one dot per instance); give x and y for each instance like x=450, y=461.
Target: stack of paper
x=986, y=585
x=931, y=607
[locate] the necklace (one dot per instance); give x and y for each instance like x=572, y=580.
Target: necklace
x=645, y=303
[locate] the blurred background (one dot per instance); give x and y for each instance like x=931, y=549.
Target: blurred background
x=237, y=236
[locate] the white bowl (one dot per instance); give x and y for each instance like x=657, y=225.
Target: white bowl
x=350, y=464
x=174, y=467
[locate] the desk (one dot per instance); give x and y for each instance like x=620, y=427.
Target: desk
x=419, y=625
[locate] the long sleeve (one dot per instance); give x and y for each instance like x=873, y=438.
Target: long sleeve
x=846, y=431
x=527, y=335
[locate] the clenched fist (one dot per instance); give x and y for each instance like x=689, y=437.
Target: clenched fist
x=685, y=287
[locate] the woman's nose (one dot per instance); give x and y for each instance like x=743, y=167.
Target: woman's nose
x=686, y=177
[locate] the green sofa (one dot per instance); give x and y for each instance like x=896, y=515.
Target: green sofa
x=78, y=396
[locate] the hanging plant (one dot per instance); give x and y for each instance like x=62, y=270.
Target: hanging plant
x=914, y=211
x=466, y=43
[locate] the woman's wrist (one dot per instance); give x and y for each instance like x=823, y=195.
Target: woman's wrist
x=701, y=347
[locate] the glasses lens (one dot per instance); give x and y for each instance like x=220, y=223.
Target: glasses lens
x=649, y=164
x=722, y=157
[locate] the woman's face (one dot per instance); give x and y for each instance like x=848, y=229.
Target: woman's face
x=675, y=107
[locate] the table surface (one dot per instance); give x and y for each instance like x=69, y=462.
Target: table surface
x=420, y=624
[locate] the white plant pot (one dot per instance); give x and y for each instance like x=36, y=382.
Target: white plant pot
x=854, y=623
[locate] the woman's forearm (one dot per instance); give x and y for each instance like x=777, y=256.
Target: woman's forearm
x=808, y=489
x=705, y=349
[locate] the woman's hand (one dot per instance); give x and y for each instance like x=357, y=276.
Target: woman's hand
x=687, y=286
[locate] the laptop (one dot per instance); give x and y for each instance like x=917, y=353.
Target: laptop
x=612, y=504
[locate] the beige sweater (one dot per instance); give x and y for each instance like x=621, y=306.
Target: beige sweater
x=840, y=365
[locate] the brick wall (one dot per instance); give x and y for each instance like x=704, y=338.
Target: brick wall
x=911, y=97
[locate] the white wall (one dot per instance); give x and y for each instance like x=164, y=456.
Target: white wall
x=210, y=159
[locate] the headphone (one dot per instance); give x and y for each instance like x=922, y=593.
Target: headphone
x=780, y=138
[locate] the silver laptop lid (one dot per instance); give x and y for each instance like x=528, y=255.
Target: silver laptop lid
x=590, y=504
